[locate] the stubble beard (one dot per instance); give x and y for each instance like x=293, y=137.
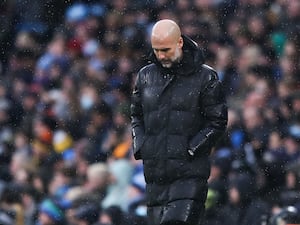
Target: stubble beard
x=176, y=58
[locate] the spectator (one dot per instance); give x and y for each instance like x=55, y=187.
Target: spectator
x=86, y=214
x=50, y=213
x=243, y=206
x=11, y=204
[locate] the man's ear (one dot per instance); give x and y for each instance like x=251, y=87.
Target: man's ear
x=180, y=42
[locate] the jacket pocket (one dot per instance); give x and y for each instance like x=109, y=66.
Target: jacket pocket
x=149, y=148
x=177, y=147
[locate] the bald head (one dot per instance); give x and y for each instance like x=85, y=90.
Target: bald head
x=165, y=29
x=167, y=42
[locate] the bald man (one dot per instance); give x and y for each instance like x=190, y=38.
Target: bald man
x=178, y=113
x=167, y=42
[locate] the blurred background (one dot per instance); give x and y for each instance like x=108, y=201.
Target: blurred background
x=66, y=73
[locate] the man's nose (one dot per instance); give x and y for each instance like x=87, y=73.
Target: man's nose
x=161, y=55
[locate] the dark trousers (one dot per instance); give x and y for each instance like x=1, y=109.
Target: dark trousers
x=179, y=212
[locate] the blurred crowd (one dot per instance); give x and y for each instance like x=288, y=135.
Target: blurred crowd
x=66, y=73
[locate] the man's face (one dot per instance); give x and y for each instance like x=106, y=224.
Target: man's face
x=167, y=51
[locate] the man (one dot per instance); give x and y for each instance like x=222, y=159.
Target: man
x=178, y=112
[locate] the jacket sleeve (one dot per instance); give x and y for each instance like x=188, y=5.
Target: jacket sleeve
x=137, y=121
x=214, y=109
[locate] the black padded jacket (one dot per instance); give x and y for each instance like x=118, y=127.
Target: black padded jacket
x=174, y=110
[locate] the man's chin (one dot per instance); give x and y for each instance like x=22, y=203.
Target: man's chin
x=167, y=65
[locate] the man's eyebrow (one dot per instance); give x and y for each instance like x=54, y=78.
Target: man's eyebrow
x=161, y=49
